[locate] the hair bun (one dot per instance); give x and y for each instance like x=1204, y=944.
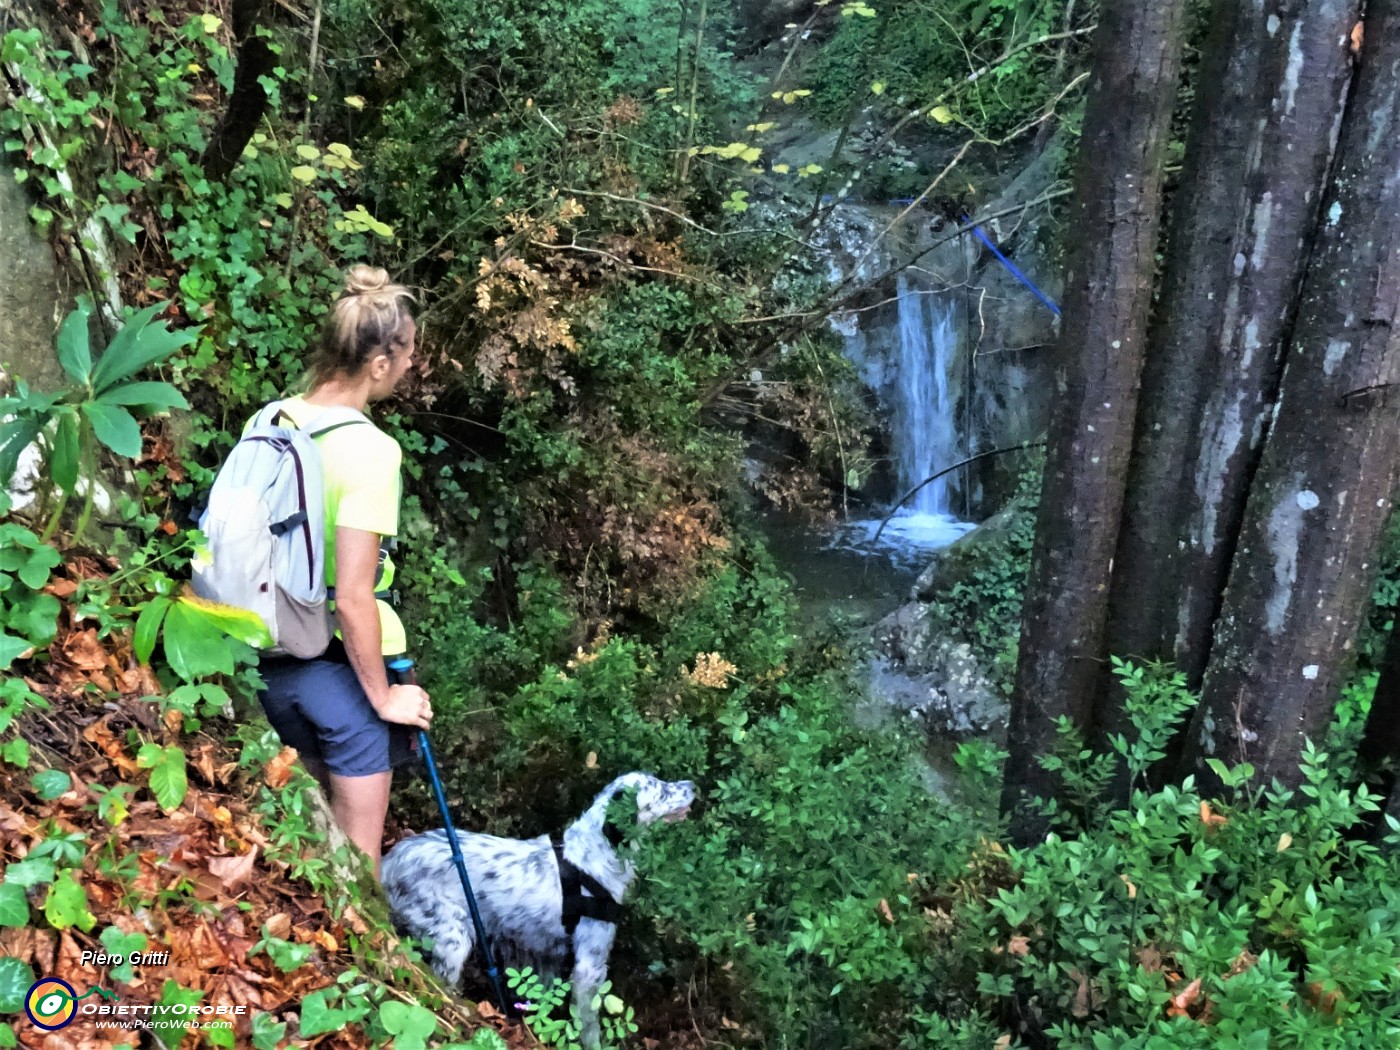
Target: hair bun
x=366, y=280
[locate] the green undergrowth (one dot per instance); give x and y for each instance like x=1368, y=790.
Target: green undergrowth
x=90, y=846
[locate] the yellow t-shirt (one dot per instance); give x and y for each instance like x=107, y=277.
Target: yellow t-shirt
x=360, y=473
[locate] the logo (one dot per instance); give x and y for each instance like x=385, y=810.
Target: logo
x=51, y=1003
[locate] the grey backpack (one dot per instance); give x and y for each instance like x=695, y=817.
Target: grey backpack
x=265, y=526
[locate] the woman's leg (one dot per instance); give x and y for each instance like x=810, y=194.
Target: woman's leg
x=360, y=805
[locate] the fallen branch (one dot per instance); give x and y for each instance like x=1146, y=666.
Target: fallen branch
x=1024, y=446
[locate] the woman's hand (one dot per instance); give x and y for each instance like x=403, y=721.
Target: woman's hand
x=407, y=705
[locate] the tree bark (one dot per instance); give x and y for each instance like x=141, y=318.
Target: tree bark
x=248, y=101
x=1099, y=363
x=1269, y=105
x=1322, y=494
x=1380, y=742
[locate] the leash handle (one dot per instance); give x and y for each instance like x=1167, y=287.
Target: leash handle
x=401, y=671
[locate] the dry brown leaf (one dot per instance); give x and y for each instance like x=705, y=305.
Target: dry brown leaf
x=84, y=651
x=1080, y=1006
x=1020, y=945
x=1182, y=1001
x=326, y=941
x=1210, y=818
x=885, y=910
x=351, y=918
x=233, y=870
x=279, y=770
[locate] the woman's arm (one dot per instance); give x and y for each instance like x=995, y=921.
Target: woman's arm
x=356, y=563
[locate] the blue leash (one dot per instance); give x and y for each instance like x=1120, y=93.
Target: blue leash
x=402, y=670
x=1015, y=270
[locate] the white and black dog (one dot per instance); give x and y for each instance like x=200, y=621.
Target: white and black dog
x=537, y=911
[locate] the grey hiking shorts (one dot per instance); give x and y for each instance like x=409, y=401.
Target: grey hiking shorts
x=318, y=707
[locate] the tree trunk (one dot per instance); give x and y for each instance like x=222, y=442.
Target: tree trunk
x=1380, y=743
x=1099, y=363
x=1269, y=104
x=1320, y=499
x=248, y=101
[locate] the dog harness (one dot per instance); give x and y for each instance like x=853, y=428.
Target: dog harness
x=576, y=906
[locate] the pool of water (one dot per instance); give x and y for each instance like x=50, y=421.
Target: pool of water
x=845, y=568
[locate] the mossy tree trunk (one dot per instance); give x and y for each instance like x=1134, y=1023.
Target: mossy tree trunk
x=1270, y=94
x=1100, y=351
x=1317, y=508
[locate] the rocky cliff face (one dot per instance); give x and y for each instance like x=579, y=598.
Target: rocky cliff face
x=36, y=296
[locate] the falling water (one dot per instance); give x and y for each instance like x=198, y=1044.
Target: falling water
x=925, y=436
x=924, y=432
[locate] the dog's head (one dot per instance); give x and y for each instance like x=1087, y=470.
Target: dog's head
x=650, y=798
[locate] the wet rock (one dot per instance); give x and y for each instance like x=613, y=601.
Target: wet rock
x=933, y=677
x=955, y=563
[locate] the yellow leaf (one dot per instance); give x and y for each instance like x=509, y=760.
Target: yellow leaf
x=767, y=125
x=942, y=114
x=340, y=149
x=751, y=154
x=306, y=152
x=355, y=101
x=1284, y=841
x=662, y=92
x=194, y=67
x=210, y=23
x=782, y=169
x=304, y=174
x=878, y=88
x=282, y=200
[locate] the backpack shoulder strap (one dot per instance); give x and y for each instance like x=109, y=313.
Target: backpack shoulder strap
x=334, y=418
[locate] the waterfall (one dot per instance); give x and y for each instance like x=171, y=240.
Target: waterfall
x=926, y=437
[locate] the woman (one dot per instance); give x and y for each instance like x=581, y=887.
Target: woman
x=350, y=725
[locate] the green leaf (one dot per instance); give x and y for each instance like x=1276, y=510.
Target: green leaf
x=32, y=871
x=150, y=396
x=35, y=570
x=247, y=626
x=74, y=352
x=15, y=436
x=167, y=766
x=143, y=641
x=11, y=648
x=50, y=783
x=63, y=463
x=7, y=1032
x=14, y=905
x=68, y=905
x=166, y=1019
x=114, y=427
x=319, y=1017
x=411, y=1025
x=35, y=617
x=267, y=1033
x=194, y=645
x=16, y=752
x=15, y=980
x=119, y=943
x=286, y=955
x=139, y=343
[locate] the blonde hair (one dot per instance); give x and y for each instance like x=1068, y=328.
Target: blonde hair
x=367, y=319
